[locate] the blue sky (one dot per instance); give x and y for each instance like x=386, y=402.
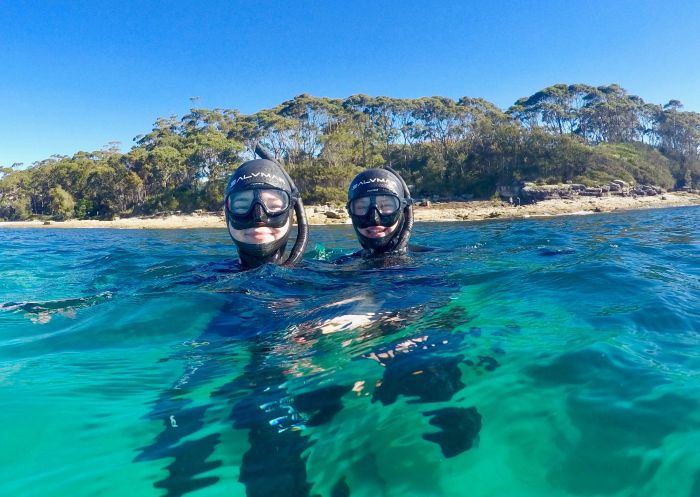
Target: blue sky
x=75, y=75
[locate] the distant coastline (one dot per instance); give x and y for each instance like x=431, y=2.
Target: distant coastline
x=593, y=140
x=436, y=212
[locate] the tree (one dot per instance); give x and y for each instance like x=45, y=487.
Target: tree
x=62, y=203
x=557, y=108
x=441, y=146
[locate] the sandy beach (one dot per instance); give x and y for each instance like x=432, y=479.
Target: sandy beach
x=447, y=211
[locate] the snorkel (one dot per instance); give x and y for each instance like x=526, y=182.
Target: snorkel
x=260, y=194
x=405, y=233
x=373, y=185
x=302, y=240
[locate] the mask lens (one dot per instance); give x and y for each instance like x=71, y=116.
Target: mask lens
x=275, y=201
x=386, y=204
x=360, y=206
x=239, y=203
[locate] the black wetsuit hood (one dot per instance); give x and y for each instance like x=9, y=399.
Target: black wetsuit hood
x=381, y=182
x=261, y=174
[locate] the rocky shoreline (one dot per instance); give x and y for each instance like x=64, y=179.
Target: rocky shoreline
x=555, y=204
x=532, y=192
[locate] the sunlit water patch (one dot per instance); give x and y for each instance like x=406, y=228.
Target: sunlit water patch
x=550, y=357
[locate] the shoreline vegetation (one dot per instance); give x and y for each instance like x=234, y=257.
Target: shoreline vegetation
x=475, y=210
x=566, y=141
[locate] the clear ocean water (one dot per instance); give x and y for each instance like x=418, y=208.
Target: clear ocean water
x=554, y=357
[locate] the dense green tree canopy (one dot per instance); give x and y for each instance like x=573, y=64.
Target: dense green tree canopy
x=443, y=147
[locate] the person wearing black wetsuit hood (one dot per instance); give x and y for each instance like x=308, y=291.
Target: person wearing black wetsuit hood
x=381, y=209
x=259, y=200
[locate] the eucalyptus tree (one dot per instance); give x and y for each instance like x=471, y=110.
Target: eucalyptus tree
x=406, y=125
x=679, y=131
x=377, y=126
x=263, y=125
x=166, y=132
x=211, y=149
x=679, y=134
x=481, y=141
x=306, y=119
x=610, y=115
x=648, y=120
x=440, y=122
x=557, y=108
x=62, y=204
x=15, y=200
x=159, y=157
x=213, y=159
x=442, y=146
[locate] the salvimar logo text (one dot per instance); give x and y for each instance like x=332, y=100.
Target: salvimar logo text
x=374, y=180
x=260, y=175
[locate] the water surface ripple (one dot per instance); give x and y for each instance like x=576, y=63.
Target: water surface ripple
x=552, y=357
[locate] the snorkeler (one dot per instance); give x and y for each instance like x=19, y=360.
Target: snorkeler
x=259, y=200
x=281, y=415
x=381, y=209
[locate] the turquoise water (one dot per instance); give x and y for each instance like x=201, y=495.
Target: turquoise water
x=552, y=357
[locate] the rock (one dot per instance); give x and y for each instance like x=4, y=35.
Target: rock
x=47, y=223
x=424, y=203
x=592, y=192
x=648, y=190
x=533, y=193
x=334, y=215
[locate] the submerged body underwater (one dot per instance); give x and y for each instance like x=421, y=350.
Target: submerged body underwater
x=533, y=357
